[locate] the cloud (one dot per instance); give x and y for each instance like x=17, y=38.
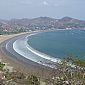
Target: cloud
x=45, y=3
x=54, y=2
x=26, y=2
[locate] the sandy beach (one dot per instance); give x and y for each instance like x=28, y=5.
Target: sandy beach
x=18, y=65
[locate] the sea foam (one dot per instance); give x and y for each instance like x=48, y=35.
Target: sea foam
x=23, y=48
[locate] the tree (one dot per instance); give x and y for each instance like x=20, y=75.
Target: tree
x=33, y=80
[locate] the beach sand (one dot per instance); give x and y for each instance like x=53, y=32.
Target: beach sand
x=40, y=71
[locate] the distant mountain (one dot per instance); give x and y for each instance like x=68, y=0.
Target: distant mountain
x=40, y=23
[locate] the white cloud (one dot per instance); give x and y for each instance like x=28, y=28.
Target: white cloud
x=26, y=2
x=45, y=3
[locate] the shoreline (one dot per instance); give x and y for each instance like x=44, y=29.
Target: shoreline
x=24, y=49
x=18, y=65
x=40, y=70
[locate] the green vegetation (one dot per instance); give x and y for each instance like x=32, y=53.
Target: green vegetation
x=9, y=33
x=65, y=74
x=76, y=25
x=73, y=74
x=16, y=77
x=33, y=80
x=1, y=66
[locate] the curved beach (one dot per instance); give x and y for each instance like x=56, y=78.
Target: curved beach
x=21, y=47
x=19, y=62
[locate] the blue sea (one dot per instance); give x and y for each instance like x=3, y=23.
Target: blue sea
x=60, y=43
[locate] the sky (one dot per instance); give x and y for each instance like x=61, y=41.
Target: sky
x=36, y=8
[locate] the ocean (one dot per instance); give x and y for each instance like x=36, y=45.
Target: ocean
x=59, y=44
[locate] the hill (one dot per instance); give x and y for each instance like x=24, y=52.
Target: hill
x=40, y=23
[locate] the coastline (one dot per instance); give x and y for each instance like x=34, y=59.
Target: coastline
x=23, y=48
x=19, y=65
x=40, y=70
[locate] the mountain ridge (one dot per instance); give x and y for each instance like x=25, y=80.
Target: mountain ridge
x=40, y=23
